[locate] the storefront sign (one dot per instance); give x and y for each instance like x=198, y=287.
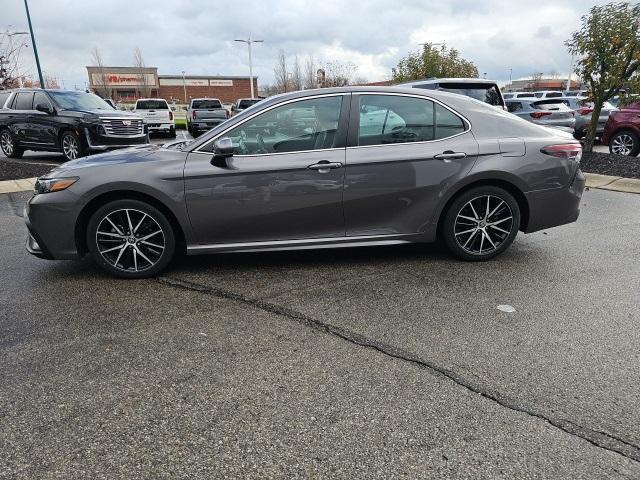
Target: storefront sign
x=124, y=79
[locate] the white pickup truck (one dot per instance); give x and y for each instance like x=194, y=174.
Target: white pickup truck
x=157, y=115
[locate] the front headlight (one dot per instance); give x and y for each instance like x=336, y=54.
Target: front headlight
x=48, y=185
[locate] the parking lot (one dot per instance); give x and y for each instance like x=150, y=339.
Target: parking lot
x=371, y=362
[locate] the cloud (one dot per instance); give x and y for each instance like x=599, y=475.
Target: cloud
x=197, y=36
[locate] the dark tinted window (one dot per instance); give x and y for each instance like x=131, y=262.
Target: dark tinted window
x=23, y=101
x=386, y=119
x=447, y=123
x=484, y=92
x=514, y=106
x=204, y=104
x=3, y=98
x=41, y=98
x=305, y=125
x=553, y=95
x=247, y=103
x=525, y=95
x=152, y=105
x=550, y=105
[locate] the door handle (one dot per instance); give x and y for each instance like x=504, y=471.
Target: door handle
x=449, y=155
x=324, y=166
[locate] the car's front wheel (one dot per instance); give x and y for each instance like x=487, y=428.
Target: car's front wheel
x=481, y=223
x=131, y=239
x=625, y=143
x=72, y=146
x=8, y=145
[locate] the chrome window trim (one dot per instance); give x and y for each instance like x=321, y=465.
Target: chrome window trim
x=293, y=100
x=423, y=97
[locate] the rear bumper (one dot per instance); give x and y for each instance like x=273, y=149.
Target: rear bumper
x=204, y=126
x=154, y=127
x=551, y=208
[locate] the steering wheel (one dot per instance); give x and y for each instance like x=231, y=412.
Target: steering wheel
x=261, y=146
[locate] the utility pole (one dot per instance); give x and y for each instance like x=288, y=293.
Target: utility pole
x=249, y=41
x=570, y=72
x=184, y=85
x=35, y=49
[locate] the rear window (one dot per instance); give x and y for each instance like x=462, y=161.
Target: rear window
x=480, y=91
x=553, y=95
x=514, y=106
x=550, y=105
x=3, y=98
x=525, y=95
x=152, y=105
x=204, y=104
x=247, y=103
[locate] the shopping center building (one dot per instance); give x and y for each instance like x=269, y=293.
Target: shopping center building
x=126, y=84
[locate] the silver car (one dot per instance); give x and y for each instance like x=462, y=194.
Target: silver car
x=342, y=167
x=550, y=113
x=583, y=109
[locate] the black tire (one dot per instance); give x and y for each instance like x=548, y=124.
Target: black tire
x=127, y=259
x=461, y=235
x=9, y=145
x=624, y=142
x=578, y=134
x=172, y=132
x=72, y=146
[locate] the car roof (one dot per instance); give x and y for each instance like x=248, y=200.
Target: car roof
x=205, y=98
x=156, y=99
x=449, y=80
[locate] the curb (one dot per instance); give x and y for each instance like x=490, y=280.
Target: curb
x=594, y=180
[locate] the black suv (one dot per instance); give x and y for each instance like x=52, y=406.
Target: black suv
x=74, y=123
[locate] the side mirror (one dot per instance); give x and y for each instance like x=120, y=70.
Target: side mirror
x=233, y=108
x=41, y=107
x=222, y=150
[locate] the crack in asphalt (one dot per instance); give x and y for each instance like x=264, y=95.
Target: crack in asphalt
x=597, y=438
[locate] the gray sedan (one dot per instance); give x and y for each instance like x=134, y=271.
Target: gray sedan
x=583, y=109
x=548, y=112
x=339, y=167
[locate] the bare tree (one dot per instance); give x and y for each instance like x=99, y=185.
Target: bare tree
x=338, y=74
x=296, y=75
x=138, y=62
x=10, y=76
x=101, y=81
x=281, y=74
x=309, y=79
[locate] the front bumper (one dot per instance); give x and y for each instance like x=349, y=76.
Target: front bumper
x=551, y=208
x=50, y=222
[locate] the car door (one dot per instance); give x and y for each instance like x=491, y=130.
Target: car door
x=400, y=162
x=42, y=126
x=284, y=181
x=20, y=127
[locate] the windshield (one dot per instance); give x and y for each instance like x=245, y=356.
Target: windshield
x=79, y=101
x=203, y=104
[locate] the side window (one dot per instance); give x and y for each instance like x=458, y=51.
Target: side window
x=23, y=101
x=448, y=123
x=514, y=106
x=305, y=125
x=40, y=98
x=3, y=98
x=387, y=119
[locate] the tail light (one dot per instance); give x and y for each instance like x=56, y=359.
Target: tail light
x=538, y=115
x=170, y=115
x=585, y=110
x=568, y=151
x=193, y=115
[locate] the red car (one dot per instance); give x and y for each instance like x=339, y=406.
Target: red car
x=622, y=131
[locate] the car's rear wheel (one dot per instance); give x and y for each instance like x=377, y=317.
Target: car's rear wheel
x=71, y=145
x=9, y=146
x=131, y=239
x=626, y=143
x=481, y=223
x=172, y=132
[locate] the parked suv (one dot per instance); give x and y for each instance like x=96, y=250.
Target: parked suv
x=157, y=115
x=74, y=123
x=203, y=114
x=481, y=89
x=622, y=131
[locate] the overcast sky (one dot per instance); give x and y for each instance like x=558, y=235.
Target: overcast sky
x=197, y=35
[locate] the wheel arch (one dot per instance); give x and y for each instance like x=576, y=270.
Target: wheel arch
x=506, y=184
x=84, y=216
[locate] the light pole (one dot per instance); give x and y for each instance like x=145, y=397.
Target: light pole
x=570, y=72
x=510, y=77
x=184, y=86
x=249, y=41
x=35, y=49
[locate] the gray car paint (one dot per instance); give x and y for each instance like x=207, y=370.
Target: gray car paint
x=392, y=194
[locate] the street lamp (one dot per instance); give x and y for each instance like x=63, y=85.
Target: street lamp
x=35, y=49
x=184, y=85
x=249, y=41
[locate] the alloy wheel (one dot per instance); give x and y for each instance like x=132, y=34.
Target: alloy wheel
x=70, y=147
x=6, y=143
x=130, y=240
x=622, y=144
x=483, y=224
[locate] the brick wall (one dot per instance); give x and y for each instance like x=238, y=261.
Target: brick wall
x=240, y=89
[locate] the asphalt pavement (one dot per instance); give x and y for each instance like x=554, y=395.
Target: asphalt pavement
x=390, y=362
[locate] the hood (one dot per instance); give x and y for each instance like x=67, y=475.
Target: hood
x=144, y=153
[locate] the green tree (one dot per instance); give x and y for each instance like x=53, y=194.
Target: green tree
x=434, y=62
x=608, y=45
